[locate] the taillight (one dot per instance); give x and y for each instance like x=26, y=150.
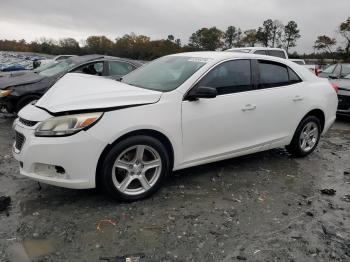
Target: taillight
x=335, y=87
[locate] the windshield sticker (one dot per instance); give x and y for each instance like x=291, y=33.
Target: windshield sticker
x=199, y=60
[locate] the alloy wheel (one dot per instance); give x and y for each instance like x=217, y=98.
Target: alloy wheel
x=136, y=170
x=309, y=136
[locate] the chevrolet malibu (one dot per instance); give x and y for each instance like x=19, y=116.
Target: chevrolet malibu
x=176, y=112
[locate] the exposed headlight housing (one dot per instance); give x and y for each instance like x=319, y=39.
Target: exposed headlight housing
x=67, y=125
x=4, y=93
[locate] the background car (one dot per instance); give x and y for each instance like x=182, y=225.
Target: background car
x=343, y=85
x=17, y=90
x=270, y=51
x=335, y=71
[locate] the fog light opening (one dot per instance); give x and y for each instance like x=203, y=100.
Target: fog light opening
x=60, y=170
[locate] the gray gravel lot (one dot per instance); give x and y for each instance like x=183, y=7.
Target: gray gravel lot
x=262, y=207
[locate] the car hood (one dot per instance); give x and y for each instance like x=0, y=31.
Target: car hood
x=79, y=92
x=19, y=79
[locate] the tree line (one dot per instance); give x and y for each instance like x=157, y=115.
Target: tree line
x=272, y=33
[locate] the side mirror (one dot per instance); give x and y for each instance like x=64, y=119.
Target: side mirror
x=333, y=76
x=201, y=92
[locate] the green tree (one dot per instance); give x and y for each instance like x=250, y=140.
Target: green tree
x=249, y=38
x=69, y=46
x=264, y=33
x=276, y=33
x=171, y=38
x=291, y=35
x=232, y=37
x=325, y=43
x=344, y=30
x=99, y=45
x=206, y=39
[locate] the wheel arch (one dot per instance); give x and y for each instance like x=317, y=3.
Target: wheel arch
x=319, y=114
x=145, y=132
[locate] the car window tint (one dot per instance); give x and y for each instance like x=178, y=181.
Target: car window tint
x=260, y=52
x=345, y=69
x=277, y=53
x=90, y=69
x=119, y=68
x=293, y=77
x=229, y=77
x=272, y=74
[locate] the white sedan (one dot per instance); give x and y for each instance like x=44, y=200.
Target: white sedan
x=176, y=112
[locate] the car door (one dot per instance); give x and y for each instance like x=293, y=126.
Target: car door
x=225, y=124
x=279, y=102
x=117, y=69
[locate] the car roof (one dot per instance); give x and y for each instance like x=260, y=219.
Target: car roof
x=256, y=48
x=222, y=55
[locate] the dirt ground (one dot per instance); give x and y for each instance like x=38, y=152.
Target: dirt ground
x=262, y=207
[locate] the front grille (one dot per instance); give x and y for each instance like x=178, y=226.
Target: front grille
x=344, y=102
x=19, y=140
x=27, y=122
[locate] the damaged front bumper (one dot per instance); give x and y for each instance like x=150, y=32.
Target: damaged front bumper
x=61, y=161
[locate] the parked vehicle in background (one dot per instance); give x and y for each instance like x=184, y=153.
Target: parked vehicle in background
x=335, y=71
x=298, y=61
x=17, y=90
x=343, y=85
x=277, y=52
x=175, y=112
x=44, y=62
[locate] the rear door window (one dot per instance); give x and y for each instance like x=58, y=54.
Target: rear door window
x=272, y=74
x=229, y=77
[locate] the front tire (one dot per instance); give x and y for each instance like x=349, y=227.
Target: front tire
x=306, y=137
x=134, y=168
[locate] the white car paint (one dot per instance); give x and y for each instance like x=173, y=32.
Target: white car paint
x=200, y=131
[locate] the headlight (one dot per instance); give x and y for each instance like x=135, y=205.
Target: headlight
x=67, y=125
x=4, y=93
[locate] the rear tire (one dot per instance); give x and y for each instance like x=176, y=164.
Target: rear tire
x=306, y=137
x=135, y=168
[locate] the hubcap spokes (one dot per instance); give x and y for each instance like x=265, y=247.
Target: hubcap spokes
x=136, y=170
x=308, y=137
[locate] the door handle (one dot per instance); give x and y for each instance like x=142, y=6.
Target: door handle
x=298, y=98
x=248, y=107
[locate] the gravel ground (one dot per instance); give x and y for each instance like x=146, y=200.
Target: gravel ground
x=262, y=207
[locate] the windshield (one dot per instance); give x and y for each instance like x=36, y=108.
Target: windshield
x=347, y=77
x=329, y=69
x=164, y=74
x=57, y=68
x=45, y=66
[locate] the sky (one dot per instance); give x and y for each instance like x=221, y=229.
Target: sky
x=33, y=19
